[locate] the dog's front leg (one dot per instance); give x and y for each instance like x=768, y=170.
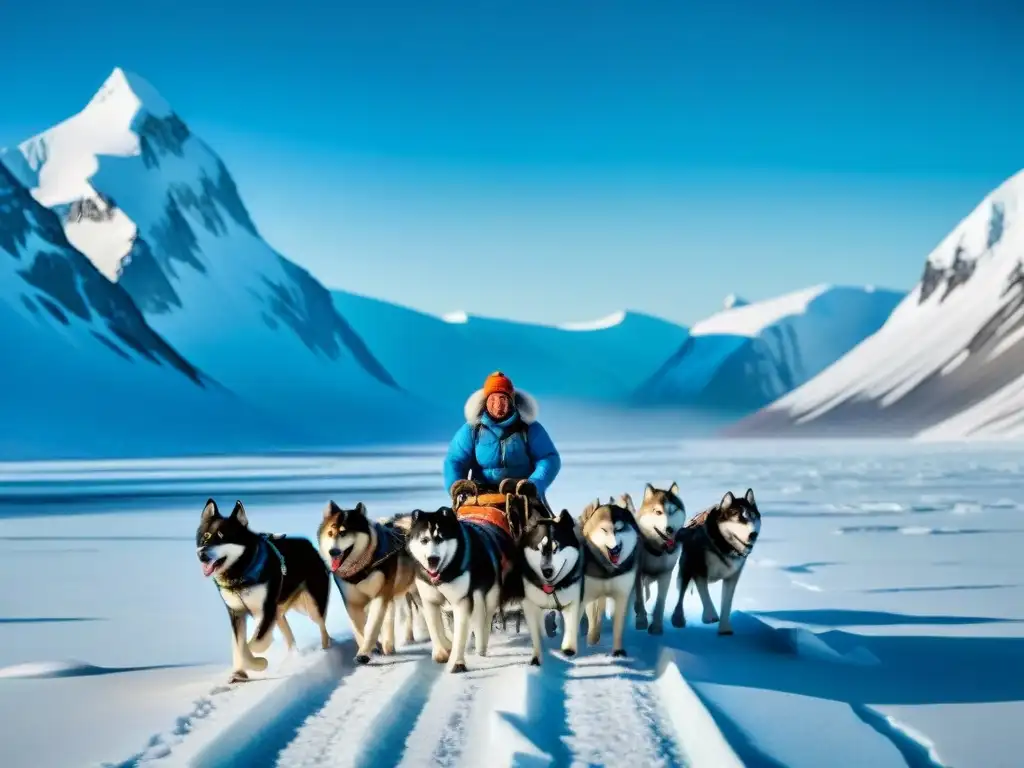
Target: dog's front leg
x=619, y=624
x=710, y=614
x=534, y=617
x=595, y=618
x=664, y=579
x=239, y=647
x=387, y=643
x=728, y=590
x=638, y=605
x=374, y=620
x=457, y=661
x=683, y=580
x=571, y=628
x=435, y=628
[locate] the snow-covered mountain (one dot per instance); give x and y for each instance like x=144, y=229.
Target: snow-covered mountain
x=733, y=362
x=948, y=363
x=154, y=208
x=85, y=373
x=748, y=355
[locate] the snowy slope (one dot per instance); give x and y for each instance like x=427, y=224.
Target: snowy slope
x=86, y=374
x=154, y=207
x=949, y=361
x=749, y=354
x=449, y=357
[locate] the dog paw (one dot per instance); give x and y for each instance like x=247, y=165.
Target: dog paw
x=678, y=620
x=619, y=653
x=238, y=676
x=257, y=663
x=712, y=619
x=655, y=629
x=535, y=661
x=569, y=652
x=458, y=668
x=388, y=649
x=641, y=623
x=440, y=656
x=378, y=649
x=362, y=658
x=593, y=639
x=725, y=630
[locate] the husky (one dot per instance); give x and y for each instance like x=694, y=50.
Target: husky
x=660, y=516
x=611, y=564
x=715, y=546
x=372, y=570
x=552, y=571
x=260, y=576
x=466, y=564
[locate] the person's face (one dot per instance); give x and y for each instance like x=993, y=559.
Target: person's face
x=498, y=405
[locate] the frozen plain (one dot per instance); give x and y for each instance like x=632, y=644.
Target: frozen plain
x=880, y=621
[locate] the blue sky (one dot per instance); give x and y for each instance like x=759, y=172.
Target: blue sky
x=555, y=161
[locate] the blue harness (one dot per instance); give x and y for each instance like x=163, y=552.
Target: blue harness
x=249, y=576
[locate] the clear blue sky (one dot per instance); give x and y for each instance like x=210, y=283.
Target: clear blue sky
x=560, y=159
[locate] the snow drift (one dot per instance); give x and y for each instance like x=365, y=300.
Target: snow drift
x=949, y=361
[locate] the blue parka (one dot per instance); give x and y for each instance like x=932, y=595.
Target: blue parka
x=518, y=447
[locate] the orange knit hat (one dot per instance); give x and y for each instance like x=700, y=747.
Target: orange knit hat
x=498, y=382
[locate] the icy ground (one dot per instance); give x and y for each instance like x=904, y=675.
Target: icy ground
x=879, y=622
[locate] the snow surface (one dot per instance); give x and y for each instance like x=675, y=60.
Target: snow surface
x=752, y=319
x=948, y=362
x=878, y=623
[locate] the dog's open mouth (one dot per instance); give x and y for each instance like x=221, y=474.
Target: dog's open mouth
x=613, y=554
x=337, y=560
x=669, y=541
x=212, y=565
x=433, y=564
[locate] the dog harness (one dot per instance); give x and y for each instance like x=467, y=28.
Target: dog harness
x=250, y=575
x=389, y=543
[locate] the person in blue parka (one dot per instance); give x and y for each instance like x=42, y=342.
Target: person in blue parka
x=501, y=439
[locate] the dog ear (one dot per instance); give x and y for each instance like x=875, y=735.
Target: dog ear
x=727, y=501
x=210, y=511
x=749, y=496
x=239, y=514
x=648, y=492
x=626, y=501
x=674, y=489
x=416, y=515
x=565, y=519
x=331, y=509
x=361, y=509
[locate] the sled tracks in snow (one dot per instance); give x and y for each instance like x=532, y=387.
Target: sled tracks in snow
x=407, y=711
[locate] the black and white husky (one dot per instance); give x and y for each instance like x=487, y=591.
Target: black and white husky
x=611, y=565
x=552, y=570
x=715, y=547
x=260, y=576
x=660, y=516
x=465, y=564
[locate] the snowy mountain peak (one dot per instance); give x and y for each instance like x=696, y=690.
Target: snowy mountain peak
x=602, y=323
x=732, y=300
x=125, y=93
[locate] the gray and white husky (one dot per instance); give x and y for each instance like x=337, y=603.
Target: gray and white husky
x=611, y=565
x=552, y=569
x=660, y=516
x=715, y=547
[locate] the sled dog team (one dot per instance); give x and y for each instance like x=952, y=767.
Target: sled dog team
x=458, y=572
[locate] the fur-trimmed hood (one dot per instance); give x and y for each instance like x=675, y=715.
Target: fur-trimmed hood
x=524, y=403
